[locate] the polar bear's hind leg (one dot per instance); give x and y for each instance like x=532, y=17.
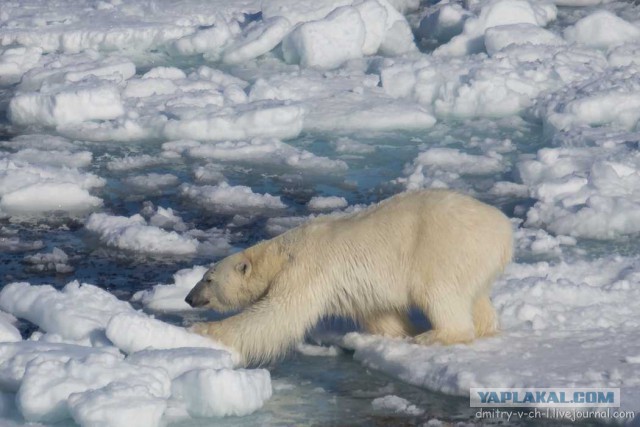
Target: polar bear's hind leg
x=450, y=319
x=390, y=324
x=485, y=318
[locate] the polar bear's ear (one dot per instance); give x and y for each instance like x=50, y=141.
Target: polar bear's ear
x=243, y=267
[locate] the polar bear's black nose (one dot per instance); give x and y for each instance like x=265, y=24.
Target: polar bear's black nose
x=194, y=299
x=189, y=300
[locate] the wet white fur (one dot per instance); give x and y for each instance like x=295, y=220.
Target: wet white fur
x=436, y=250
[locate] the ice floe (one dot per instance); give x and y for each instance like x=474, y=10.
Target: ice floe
x=93, y=383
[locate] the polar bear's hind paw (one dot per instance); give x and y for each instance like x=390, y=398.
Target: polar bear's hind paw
x=444, y=337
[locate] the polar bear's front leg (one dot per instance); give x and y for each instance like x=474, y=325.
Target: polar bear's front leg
x=270, y=327
x=208, y=329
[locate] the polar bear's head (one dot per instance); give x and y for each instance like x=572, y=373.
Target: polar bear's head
x=229, y=285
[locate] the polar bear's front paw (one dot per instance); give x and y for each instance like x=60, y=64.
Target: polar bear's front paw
x=444, y=337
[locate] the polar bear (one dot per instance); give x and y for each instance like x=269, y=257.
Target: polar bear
x=436, y=250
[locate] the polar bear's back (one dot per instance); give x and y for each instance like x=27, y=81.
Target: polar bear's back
x=426, y=211
x=412, y=241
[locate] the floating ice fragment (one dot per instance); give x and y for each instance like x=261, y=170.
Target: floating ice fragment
x=134, y=234
x=223, y=392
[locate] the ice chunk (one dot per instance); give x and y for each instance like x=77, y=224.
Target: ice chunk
x=584, y=192
x=106, y=27
x=257, y=40
x=58, y=312
x=16, y=356
x=180, y=360
x=374, y=17
x=578, y=3
x=151, y=183
x=132, y=332
x=450, y=157
x=169, y=73
x=223, y=392
x=497, y=38
x=210, y=42
x=116, y=405
x=14, y=244
x=494, y=13
x=540, y=242
x=350, y=146
x=503, y=85
x=278, y=121
x=443, y=23
x=396, y=404
x=66, y=105
x=8, y=332
x=68, y=70
x=148, y=87
x=35, y=188
x=355, y=112
x=266, y=151
x=606, y=99
x=328, y=33
x=16, y=61
x=319, y=203
x=398, y=38
x=47, y=197
x=443, y=168
x=318, y=350
x=625, y=55
x=57, y=261
x=601, y=108
x=47, y=385
x=226, y=198
x=326, y=43
x=167, y=219
x=171, y=297
x=134, y=234
x=302, y=10
x=343, y=102
x=54, y=157
x=602, y=30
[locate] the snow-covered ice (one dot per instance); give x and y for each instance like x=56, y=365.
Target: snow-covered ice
x=319, y=203
x=89, y=379
x=395, y=404
x=222, y=392
x=227, y=198
x=135, y=234
x=171, y=297
x=56, y=261
x=57, y=312
x=264, y=151
x=496, y=13
x=132, y=332
x=142, y=141
x=318, y=350
x=180, y=360
x=47, y=388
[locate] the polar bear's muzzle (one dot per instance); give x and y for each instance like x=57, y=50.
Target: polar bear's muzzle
x=197, y=297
